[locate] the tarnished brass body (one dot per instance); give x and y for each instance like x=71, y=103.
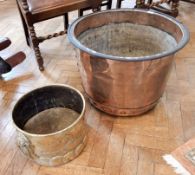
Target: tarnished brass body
x=125, y=85
x=59, y=147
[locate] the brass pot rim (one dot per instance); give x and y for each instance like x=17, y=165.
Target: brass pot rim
x=185, y=38
x=54, y=133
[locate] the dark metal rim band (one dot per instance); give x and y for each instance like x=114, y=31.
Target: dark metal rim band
x=180, y=45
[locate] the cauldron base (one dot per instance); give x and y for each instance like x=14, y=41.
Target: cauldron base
x=123, y=112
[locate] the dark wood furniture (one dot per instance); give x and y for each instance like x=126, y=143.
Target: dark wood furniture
x=4, y=43
x=119, y=3
x=34, y=11
x=9, y=63
x=191, y=1
x=107, y=3
x=165, y=6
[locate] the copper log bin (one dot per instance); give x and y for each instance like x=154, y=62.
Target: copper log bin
x=126, y=86
x=55, y=148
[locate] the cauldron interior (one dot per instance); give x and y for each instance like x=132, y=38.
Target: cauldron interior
x=139, y=19
x=127, y=40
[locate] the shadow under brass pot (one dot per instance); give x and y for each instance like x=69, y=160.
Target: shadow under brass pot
x=58, y=147
x=124, y=85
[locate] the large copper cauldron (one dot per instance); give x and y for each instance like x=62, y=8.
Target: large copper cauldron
x=126, y=85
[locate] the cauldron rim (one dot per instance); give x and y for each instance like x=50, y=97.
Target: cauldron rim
x=185, y=37
x=81, y=115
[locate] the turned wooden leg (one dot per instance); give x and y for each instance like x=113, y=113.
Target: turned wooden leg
x=35, y=44
x=80, y=12
x=25, y=31
x=140, y=4
x=109, y=6
x=66, y=21
x=118, y=4
x=16, y=59
x=4, y=43
x=174, y=8
x=24, y=27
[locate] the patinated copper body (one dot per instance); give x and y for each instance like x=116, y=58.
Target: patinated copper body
x=126, y=85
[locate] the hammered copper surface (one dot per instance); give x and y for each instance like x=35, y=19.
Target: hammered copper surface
x=125, y=85
x=58, y=147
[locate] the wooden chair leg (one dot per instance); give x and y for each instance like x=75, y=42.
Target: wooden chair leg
x=66, y=21
x=25, y=29
x=26, y=32
x=24, y=26
x=118, y=4
x=109, y=6
x=80, y=12
x=140, y=4
x=4, y=43
x=35, y=44
x=16, y=59
x=174, y=8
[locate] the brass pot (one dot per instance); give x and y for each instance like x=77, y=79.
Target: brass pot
x=125, y=85
x=55, y=148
